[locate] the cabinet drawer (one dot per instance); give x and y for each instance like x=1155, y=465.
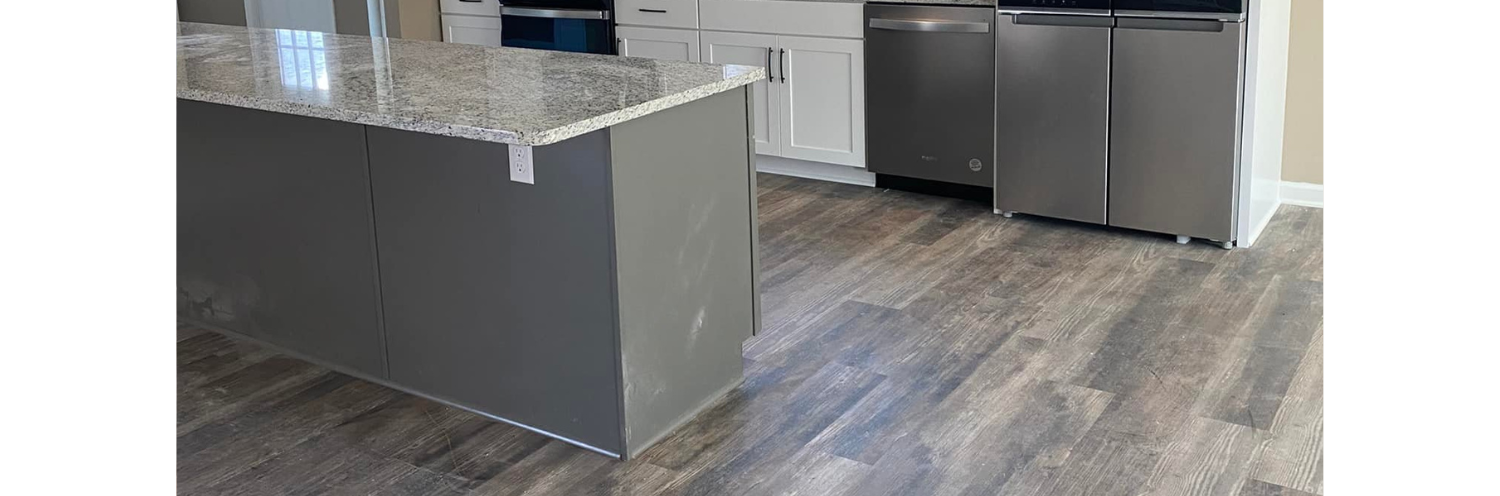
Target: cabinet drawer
x=802, y=18
x=481, y=7
x=473, y=30
x=659, y=13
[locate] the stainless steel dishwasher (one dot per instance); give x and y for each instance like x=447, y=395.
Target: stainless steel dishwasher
x=929, y=88
x=1052, y=109
x=1175, y=115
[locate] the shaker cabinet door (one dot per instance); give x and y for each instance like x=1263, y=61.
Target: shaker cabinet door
x=757, y=50
x=822, y=99
x=662, y=44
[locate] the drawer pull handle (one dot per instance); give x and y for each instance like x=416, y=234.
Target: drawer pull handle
x=653, y=11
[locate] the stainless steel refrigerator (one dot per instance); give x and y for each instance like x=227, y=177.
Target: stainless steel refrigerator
x=1125, y=113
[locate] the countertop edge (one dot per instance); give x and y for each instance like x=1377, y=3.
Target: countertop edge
x=546, y=137
x=646, y=108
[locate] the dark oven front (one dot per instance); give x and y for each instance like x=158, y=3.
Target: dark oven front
x=564, y=25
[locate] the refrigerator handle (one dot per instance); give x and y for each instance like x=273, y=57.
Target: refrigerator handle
x=1060, y=20
x=1170, y=24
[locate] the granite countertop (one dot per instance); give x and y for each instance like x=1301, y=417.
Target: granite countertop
x=503, y=95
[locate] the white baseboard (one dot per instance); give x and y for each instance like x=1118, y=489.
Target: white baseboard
x=814, y=170
x=1302, y=194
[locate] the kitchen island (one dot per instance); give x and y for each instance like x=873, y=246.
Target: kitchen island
x=565, y=242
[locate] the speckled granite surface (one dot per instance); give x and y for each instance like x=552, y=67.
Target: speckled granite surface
x=503, y=95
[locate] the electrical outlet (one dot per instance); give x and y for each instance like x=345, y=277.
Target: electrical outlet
x=520, y=165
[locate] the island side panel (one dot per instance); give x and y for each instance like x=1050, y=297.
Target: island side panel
x=497, y=293
x=754, y=209
x=275, y=239
x=683, y=253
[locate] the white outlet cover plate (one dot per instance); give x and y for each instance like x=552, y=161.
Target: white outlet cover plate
x=521, y=169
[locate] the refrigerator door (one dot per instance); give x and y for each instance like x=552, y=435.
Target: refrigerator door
x=1174, y=120
x=1052, y=115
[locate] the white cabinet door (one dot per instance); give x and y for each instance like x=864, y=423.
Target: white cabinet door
x=655, y=43
x=756, y=50
x=823, y=99
x=471, y=30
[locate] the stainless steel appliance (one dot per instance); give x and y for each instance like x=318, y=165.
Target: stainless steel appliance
x=563, y=25
x=1052, y=87
x=929, y=81
x=1175, y=114
x=1121, y=112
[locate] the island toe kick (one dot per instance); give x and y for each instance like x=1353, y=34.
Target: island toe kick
x=603, y=305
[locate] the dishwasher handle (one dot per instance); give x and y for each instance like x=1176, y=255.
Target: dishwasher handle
x=929, y=26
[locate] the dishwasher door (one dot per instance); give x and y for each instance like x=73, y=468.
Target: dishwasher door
x=1175, y=126
x=1052, y=115
x=929, y=92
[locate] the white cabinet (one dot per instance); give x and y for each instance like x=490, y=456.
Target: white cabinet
x=471, y=29
x=656, y=43
x=657, y=13
x=488, y=8
x=822, y=99
x=812, y=106
x=756, y=50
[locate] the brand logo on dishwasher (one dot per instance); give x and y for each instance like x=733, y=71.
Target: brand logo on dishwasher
x=975, y=165
x=929, y=158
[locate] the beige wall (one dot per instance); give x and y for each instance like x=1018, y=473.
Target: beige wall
x=419, y=20
x=1302, y=155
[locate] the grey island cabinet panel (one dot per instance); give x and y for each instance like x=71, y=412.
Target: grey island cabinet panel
x=498, y=294
x=604, y=305
x=274, y=234
x=685, y=260
x=371, y=224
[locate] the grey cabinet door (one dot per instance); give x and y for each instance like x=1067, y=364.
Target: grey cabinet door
x=499, y=295
x=274, y=232
x=1052, y=115
x=1174, y=125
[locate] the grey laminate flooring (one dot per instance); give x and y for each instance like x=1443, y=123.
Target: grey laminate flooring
x=912, y=345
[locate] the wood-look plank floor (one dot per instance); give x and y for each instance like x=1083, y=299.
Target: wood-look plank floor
x=913, y=345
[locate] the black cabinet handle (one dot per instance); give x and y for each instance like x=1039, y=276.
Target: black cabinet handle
x=783, y=65
x=471, y=1
x=653, y=11
x=769, y=77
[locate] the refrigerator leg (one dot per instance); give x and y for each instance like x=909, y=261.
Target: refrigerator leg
x=1182, y=240
x=1007, y=214
x=1227, y=245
